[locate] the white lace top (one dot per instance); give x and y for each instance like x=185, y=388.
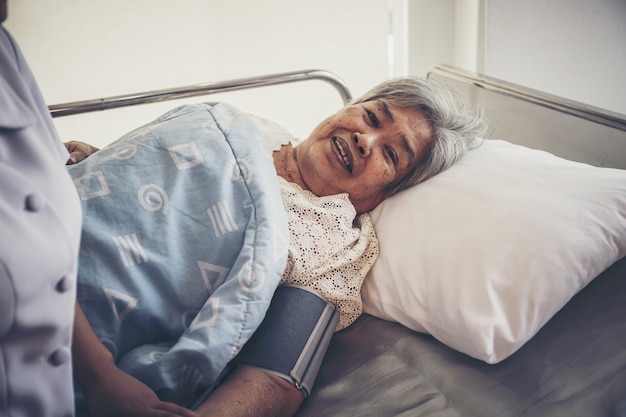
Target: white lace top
x=331, y=248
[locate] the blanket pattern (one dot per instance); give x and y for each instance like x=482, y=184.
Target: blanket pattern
x=184, y=242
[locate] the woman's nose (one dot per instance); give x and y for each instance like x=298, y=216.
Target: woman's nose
x=364, y=143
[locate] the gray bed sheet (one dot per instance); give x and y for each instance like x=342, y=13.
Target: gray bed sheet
x=575, y=366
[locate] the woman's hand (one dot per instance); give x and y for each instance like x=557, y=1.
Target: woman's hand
x=78, y=151
x=121, y=395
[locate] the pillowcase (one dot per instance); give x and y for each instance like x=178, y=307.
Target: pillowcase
x=482, y=255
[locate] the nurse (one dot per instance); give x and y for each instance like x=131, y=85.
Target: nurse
x=40, y=226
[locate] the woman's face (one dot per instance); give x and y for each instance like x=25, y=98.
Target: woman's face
x=361, y=150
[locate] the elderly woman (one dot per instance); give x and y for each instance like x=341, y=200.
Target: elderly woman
x=399, y=134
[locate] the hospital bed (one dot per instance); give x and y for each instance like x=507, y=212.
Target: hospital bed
x=501, y=285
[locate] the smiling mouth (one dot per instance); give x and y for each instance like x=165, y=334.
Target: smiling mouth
x=343, y=154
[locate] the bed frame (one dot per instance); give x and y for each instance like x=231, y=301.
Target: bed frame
x=528, y=117
x=576, y=364
x=155, y=96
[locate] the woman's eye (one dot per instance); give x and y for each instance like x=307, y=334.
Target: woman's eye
x=392, y=155
x=373, y=118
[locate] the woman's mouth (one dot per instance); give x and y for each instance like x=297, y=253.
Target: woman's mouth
x=342, y=152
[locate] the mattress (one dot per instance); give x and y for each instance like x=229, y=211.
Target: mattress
x=574, y=366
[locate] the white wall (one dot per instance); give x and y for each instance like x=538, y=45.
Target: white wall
x=571, y=48
x=83, y=49
x=431, y=34
x=443, y=32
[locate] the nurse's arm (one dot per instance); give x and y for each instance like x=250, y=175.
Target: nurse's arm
x=108, y=390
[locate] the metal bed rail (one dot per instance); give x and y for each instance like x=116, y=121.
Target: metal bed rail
x=86, y=106
x=585, y=111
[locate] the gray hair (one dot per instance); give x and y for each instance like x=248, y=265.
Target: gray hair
x=455, y=127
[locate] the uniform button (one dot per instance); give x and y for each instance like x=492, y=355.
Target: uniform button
x=34, y=202
x=65, y=284
x=59, y=357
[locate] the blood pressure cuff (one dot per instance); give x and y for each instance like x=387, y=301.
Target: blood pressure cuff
x=293, y=337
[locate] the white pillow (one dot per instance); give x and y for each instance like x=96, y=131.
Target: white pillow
x=482, y=255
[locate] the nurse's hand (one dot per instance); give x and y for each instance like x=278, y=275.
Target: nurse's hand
x=79, y=151
x=109, y=391
x=121, y=395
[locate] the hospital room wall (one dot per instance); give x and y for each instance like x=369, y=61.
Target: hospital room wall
x=571, y=48
x=84, y=49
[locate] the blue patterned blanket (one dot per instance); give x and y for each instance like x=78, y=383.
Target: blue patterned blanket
x=184, y=242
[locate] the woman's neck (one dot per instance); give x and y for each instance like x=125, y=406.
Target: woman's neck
x=286, y=165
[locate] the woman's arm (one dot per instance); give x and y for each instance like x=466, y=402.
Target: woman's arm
x=291, y=341
x=251, y=392
x=108, y=390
